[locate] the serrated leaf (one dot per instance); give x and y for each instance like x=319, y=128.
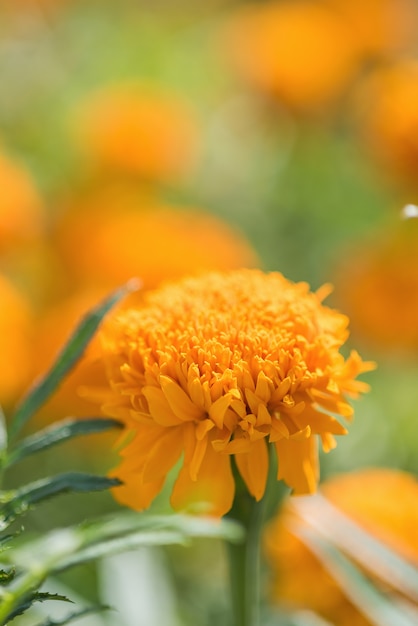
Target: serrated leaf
x=37, y=596
x=58, y=433
x=67, y=358
x=17, y=502
x=76, y=615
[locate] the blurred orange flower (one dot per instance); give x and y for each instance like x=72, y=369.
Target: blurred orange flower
x=218, y=366
x=135, y=129
x=113, y=235
x=21, y=209
x=377, y=284
x=382, y=27
x=15, y=324
x=388, y=113
x=384, y=502
x=300, y=52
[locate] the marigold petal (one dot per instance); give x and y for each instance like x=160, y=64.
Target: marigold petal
x=197, y=458
x=159, y=407
x=212, y=492
x=179, y=401
x=163, y=455
x=279, y=430
x=298, y=464
x=252, y=400
x=218, y=409
x=263, y=416
x=263, y=387
x=253, y=467
x=133, y=492
x=319, y=422
x=237, y=445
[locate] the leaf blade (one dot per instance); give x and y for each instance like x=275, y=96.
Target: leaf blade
x=20, y=500
x=59, y=433
x=67, y=358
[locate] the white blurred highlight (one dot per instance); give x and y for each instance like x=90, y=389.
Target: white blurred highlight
x=409, y=211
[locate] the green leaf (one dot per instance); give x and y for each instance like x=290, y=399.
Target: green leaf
x=37, y=596
x=6, y=576
x=69, y=355
x=64, y=548
x=72, y=616
x=17, y=502
x=58, y=433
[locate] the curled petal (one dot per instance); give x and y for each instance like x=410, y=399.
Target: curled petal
x=179, y=401
x=298, y=464
x=212, y=492
x=253, y=467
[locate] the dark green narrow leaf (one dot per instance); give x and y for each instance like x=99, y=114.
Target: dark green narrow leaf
x=20, y=500
x=58, y=433
x=69, y=355
x=37, y=596
x=72, y=616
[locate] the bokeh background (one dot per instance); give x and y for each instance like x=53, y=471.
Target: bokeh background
x=158, y=139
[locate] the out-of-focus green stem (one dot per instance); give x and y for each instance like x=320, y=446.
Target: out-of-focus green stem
x=244, y=558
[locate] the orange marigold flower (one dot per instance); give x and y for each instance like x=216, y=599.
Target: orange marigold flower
x=377, y=284
x=15, y=320
x=300, y=52
x=383, y=502
x=21, y=210
x=380, y=26
x=109, y=236
x=388, y=116
x=136, y=129
x=219, y=366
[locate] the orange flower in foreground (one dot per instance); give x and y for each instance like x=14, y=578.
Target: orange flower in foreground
x=383, y=502
x=377, y=284
x=220, y=366
x=388, y=106
x=21, y=211
x=14, y=333
x=134, y=129
x=300, y=52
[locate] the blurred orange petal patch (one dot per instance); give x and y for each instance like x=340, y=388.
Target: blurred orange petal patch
x=21, y=208
x=300, y=52
x=136, y=129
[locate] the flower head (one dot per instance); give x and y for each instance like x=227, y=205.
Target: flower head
x=222, y=365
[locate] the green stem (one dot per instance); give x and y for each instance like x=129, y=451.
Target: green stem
x=244, y=558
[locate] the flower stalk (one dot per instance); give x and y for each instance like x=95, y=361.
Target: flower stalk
x=244, y=558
